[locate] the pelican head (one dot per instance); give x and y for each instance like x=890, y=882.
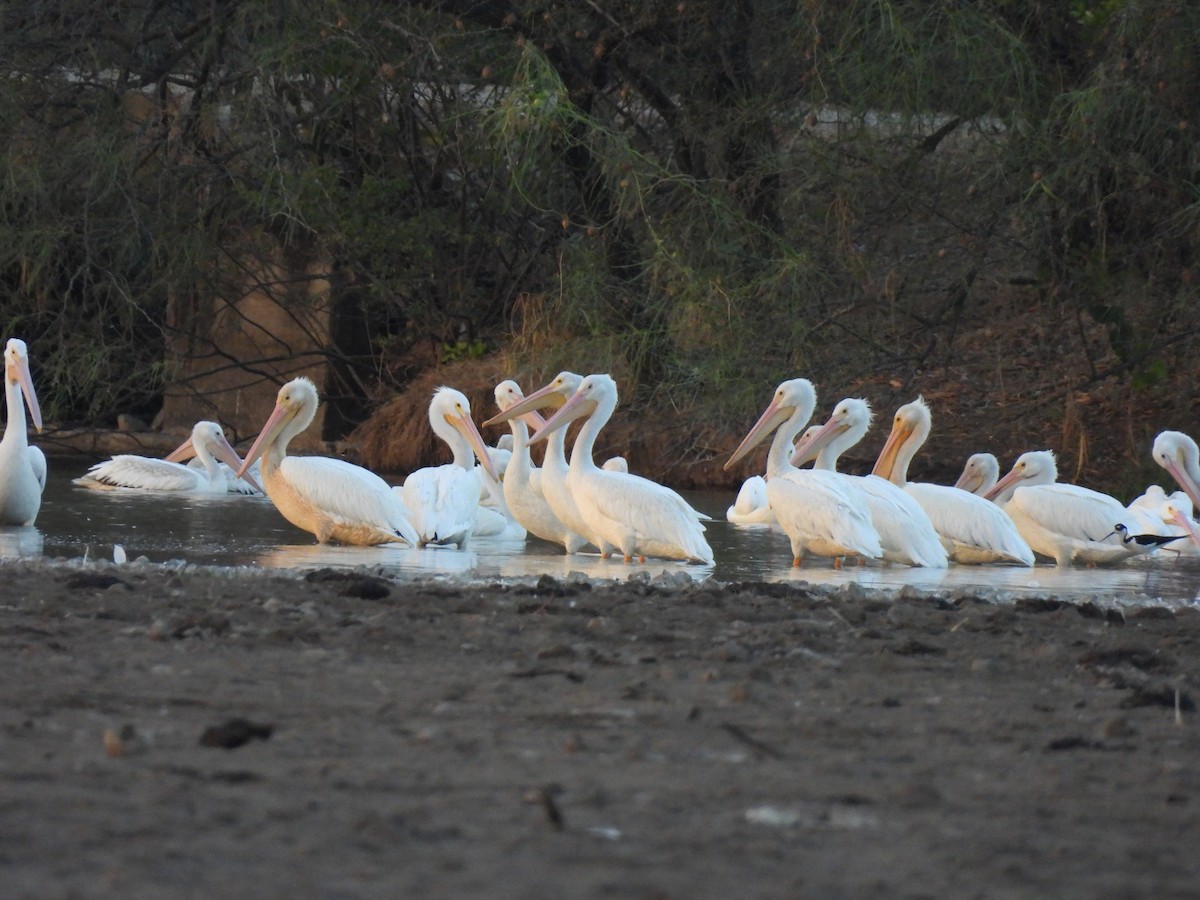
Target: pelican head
x=594, y=392
x=794, y=401
x=979, y=474
x=295, y=407
x=910, y=429
x=1032, y=468
x=16, y=372
x=450, y=414
x=208, y=440
x=847, y=424
x=1178, y=454
x=555, y=394
x=508, y=394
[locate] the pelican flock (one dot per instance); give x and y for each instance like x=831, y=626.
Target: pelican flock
x=571, y=502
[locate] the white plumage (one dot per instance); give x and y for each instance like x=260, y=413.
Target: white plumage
x=905, y=531
x=330, y=498
x=972, y=529
x=22, y=467
x=443, y=501
x=633, y=514
x=207, y=443
x=981, y=471
x=555, y=467
x=812, y=506
x=1065, y=522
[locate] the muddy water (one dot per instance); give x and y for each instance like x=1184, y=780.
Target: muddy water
x=247, y=531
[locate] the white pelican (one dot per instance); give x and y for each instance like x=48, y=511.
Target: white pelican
x=979, y=474
x=972, y=529
x=1179, y=455
x=144, y=473
x=443, y=501
x=633, y=514
x=554, y=464
x=330, y=498
x=22, y=467
x=905, y=532
x=751, y=506
x=1066, y=522
x=523, y=481
x=812, y=506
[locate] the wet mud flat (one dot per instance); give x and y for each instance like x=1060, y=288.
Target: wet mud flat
x=201, y=733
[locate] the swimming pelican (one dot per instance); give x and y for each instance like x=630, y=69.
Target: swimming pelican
x=522, y=480
x=330, y=498
x=972, y=529
x=554, y=464
x=905, y=532
x=444, y=500
x=812, y=506
x=1179, y=455
x=1066, y=522
x=633, y=514
x=144, y=473
x=22, y=467
x=979, y=474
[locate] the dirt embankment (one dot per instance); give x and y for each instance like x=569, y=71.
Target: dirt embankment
x=558, y=739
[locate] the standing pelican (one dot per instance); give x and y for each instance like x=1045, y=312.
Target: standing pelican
x=207, y=443
x=1175, y=452
x=22, y=468
x=979, y=474
x=523, y=481
x=330, y=498
x=812, y=506
x=905, y=532
x=1065, y=522
x=638, y=516
x=972, y=529
x=444, y=500
x=554, y=464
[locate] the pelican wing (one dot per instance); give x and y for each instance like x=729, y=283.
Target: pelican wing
x=142, y=473
x=661, y=518
x=1072, y=511
x=751, y=506
x=37, y=462
x=442, y=501
x=967, y=520
x=347, y=492
x=812, y=504
x=903, y=526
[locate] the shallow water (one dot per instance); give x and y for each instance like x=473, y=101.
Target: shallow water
x=247, y=531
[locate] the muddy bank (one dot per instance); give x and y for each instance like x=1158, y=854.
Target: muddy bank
x=557, y=739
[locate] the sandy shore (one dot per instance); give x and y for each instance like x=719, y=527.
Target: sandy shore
x=558, y=739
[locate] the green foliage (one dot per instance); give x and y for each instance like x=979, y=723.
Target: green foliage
x=693, y=195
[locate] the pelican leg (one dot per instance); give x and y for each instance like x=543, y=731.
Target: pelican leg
x=837, y=562
x=796, y=562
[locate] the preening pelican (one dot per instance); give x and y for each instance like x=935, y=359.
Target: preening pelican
x=554, y=464
x=812, y=506
x=1066, y=522
x=22, y=467
x=979, y=474
x=144, y=473
x=972, y=529
x=638, y=516
x=330, y=498
x=1179, y=455
x=523, y=481
x=905, y=532
x=751, y=506
x=443, y=501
